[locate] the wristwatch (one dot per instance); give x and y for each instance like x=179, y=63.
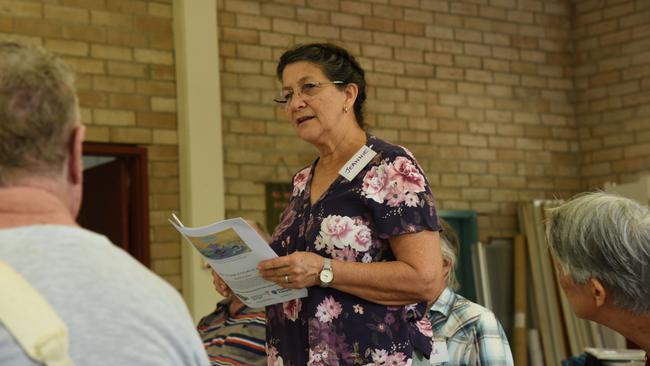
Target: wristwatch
x=326, y=274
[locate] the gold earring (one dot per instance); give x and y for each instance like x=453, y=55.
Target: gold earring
x=345, y=109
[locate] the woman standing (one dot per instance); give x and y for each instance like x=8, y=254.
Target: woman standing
x=360, y=232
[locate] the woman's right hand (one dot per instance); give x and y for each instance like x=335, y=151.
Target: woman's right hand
x=220, y=285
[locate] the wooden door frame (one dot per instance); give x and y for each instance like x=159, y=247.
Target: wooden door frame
x=137, y=163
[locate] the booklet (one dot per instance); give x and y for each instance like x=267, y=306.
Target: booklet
x=233, y=249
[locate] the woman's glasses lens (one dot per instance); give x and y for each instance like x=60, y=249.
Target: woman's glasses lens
x=306, y=89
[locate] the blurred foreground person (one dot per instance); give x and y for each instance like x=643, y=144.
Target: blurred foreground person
x=117, y=311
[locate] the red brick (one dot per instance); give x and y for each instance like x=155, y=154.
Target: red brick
x=411, y=28
x=120, y=37
x=379, y=24
x=34, y=27
x=156, y=119
x=356, y=7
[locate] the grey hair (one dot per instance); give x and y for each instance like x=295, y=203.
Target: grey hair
x=38, y=111
x=449, y=247
x=607, y=237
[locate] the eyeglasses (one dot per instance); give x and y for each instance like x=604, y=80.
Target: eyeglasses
x=306, y=90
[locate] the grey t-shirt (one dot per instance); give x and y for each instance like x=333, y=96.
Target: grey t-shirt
x=117, y=311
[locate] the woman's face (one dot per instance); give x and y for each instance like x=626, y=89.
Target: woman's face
x=315, y=111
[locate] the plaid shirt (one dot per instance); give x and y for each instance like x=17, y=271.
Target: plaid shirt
x=473, y=334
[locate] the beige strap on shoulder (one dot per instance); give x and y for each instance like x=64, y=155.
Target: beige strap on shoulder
x=32, y=321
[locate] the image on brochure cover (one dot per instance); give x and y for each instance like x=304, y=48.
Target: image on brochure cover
x=221, y=245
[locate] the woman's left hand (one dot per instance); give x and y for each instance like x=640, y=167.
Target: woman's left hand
x=296, y=270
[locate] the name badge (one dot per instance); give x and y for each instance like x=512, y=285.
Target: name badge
x=357, y=162
x=439, y=353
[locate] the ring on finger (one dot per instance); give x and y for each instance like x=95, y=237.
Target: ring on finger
x=286, y=279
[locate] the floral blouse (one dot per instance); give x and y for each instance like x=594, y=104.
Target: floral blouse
x=352, y=221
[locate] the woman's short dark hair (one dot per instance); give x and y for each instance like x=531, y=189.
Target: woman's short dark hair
x=335, y=62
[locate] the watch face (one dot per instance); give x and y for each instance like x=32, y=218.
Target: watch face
x=326, y=276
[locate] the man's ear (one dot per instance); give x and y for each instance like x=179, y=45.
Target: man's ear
x=75, y=155
x=74, y=169
x=598, y=292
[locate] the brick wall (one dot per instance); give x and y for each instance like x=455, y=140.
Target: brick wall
x=122, y=52
x=481, y=92
x=613, y=89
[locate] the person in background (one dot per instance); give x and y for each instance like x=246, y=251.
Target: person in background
x=601, y=246
x=360, y=231
x=233, y=334
x=117, y=311
x=471, y=334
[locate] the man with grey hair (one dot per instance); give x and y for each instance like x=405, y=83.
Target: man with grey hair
x=117, y=312
x=464, y=333
x=601, y=245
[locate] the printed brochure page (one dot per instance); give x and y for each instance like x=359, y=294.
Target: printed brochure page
x=233, y=249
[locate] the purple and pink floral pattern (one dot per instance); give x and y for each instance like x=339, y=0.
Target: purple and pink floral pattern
x=394, y=182
x=352, y=221
x=300, y=181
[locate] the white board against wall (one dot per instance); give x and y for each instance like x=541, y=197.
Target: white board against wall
x=638, y=191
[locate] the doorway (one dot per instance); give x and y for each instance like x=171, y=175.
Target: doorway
x=116, y=196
